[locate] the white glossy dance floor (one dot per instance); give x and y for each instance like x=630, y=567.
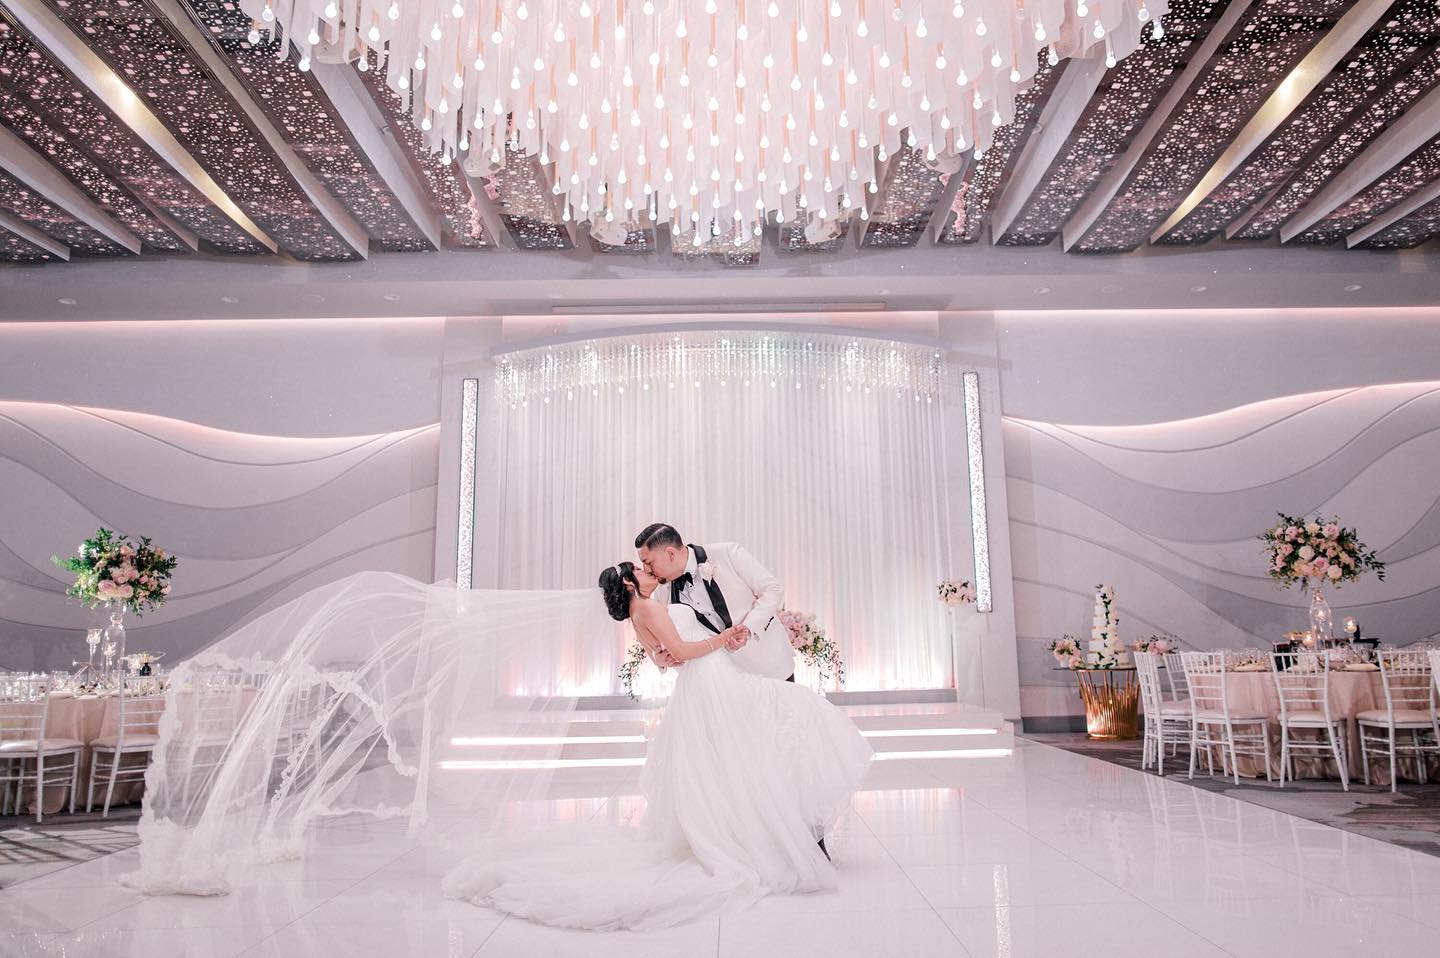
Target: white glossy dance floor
x=1041, y=853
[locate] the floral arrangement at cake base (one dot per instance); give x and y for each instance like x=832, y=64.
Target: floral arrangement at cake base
x=1156, y=644
x=1106, y=651
x=814, y=646
x=953, y=592
x=111, y=568
x=1067, y=652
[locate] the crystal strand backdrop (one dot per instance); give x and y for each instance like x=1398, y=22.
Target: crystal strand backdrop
x=823, y=455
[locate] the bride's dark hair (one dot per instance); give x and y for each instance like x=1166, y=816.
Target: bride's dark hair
x=617, y=597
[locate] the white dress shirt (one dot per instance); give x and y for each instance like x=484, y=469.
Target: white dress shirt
x=697, y=596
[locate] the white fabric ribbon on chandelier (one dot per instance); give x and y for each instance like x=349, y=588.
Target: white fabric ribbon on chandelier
x=707, y=115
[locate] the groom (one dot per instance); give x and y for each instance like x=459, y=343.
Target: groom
x=723, y=585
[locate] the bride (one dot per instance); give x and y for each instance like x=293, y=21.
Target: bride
x=381, y=697
x=743, y=775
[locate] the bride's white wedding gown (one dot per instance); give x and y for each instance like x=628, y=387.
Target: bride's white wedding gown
x=741, y=776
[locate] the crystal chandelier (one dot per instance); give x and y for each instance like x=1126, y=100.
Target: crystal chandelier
x=738, y=359
x=708, y=115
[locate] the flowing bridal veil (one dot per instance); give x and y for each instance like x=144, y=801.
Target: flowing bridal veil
x=375, y=695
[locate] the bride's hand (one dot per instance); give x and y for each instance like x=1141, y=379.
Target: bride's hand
x=735, y=637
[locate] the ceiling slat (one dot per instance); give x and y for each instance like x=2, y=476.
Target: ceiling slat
x=372, y=135
x=334, y=213
x=101, y=81
x=1406, y=135
x=1308, y=74
x=1374, y=230
x=31, y=169
x=33, y=236
x=1099, y=200
x=1073, y=91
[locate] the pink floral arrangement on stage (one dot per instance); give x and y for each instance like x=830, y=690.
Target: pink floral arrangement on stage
x=1156, y=644
x=1325, y=551
x=1067, y=652
x=110, y=567
x=814, y=646
x=955, y=592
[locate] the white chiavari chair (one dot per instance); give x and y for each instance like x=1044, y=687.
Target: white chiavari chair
x=28, y=754
x=217, y=701
x=1167, y=724
x=137, y=725
x=1302, y=681
x=1175, y=677
x=1410, y=699
x=1215, y=723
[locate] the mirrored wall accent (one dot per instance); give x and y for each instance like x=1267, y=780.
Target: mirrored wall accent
x=465, y=541
x=979, y=524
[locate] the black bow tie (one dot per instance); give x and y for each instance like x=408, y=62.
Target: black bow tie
x=684, y=580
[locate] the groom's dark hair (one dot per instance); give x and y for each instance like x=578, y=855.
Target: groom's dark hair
x=657, y=535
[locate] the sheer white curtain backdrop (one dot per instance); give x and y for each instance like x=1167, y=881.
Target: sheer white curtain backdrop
x=824, y=455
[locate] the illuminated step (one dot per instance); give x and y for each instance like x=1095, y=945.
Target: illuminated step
x=616, y=737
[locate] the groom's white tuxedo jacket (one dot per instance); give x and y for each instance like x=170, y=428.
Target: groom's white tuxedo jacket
x=750, y=595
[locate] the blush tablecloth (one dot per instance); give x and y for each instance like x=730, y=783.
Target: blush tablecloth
x=1350, y=694
x=87, y=718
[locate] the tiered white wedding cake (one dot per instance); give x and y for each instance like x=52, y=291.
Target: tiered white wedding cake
x=1106, y=651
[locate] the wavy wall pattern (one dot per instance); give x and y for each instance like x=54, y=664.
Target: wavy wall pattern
x=255, y=519
x=1168, y=513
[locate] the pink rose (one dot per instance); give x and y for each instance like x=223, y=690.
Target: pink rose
x=1292, y=533
x=107, y=588
x=1334, y=573
x=1303, y=570
x=1320, y=565
x=165, y=589
x=126, y=592
x=1286, y=548
x=1331, y=530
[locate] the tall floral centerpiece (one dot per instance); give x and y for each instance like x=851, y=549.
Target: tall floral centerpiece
x=814, y=646
x=125, y=576
x=1314, y=553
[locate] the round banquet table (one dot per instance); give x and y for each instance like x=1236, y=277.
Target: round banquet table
x=87, y=718
x=84, y=718
x=1350, y=694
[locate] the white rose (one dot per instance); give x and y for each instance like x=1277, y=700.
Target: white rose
x=706, y=570
x=1307, y=553
x=1312, y=527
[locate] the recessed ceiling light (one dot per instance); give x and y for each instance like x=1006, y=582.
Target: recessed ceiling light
x=1353, y=288
x=1110, y=288
x=313, y=298
x=229, y=299
x=1198, y=289
x=1042, y=290
x=390, y=297
x=65, y=301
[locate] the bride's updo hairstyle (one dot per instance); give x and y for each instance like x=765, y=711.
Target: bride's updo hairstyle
x=612, y=585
